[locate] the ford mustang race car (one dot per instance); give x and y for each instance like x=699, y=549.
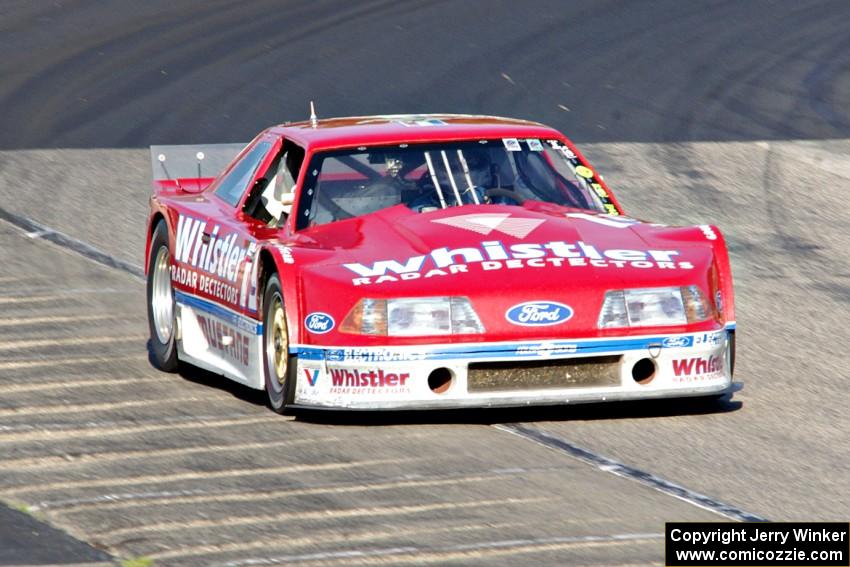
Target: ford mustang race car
x=439, y=261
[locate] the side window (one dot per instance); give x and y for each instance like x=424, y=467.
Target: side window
x=236, y=182
x=273, y=192
x=291, y=158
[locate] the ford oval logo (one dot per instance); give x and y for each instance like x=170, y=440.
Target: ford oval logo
x=319, y=323
x=676, y=342
x=538, y=313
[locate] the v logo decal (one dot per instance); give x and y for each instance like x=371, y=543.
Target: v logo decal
x=312, y=376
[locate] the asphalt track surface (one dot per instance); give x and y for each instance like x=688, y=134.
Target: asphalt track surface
x=733, y=113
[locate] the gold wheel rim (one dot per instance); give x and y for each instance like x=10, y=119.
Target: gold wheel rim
x=279, y=339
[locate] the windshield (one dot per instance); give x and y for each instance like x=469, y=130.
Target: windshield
x=349, y=183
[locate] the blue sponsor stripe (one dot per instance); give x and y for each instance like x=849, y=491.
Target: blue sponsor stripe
x=730, y=326
x=517, y=350
x=238, y=321
x=307, y=353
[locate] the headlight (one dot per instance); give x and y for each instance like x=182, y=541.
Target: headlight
x=654, y=307
x=412, y=317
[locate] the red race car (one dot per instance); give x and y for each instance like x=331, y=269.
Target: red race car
x=439, y=261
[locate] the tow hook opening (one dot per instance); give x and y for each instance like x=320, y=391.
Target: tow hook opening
x=643, y=371
x=440, y=380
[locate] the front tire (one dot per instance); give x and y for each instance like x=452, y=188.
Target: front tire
x=278, y=365
x=731, y=353
x=161, y=311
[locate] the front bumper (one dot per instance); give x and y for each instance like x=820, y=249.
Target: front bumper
x=515, y=373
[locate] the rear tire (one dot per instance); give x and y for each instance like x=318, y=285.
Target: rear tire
x=278, y=364
x=161, y=305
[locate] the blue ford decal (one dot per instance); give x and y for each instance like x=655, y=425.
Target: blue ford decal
x=319, y=323
x=538, y=313
x=676, y=342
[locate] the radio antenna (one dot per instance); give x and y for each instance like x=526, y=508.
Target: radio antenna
x=314, y=120
x=161, y=159
x=200, y=157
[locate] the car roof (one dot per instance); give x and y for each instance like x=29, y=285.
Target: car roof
x=403, y=128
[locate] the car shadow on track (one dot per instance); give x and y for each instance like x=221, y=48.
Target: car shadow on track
x=203, y=377
x=644, y=409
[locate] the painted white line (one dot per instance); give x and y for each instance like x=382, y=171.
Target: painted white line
x=203, y=476
x=27, y=321
x=217, y=497
x=326, y=514
x=421, y=554
x=71, y=505
x=83, y=408
x=99, y=428
x=61, y=363
x=7, y=279
x=22, y=344
x=63, y=460
x=325, y=539
x=631, y=473
x=42, y=386
x=125, y=500
x=65, y=291
x=5, y=300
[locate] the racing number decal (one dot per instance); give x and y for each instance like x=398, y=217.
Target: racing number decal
x=248, y=292
x=213, y=261
x=586, y=174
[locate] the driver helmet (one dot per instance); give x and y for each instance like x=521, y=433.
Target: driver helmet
x=394, y=165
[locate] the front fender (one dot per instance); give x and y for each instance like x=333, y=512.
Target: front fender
x=158, y=211
x=284, y=263
x=724, y=274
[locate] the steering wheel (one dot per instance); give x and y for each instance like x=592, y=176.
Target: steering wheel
x=506, y=193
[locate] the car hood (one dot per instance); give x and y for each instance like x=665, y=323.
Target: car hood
x=498, y=256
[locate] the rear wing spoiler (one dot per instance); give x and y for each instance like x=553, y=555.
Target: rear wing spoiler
x=190, y=167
